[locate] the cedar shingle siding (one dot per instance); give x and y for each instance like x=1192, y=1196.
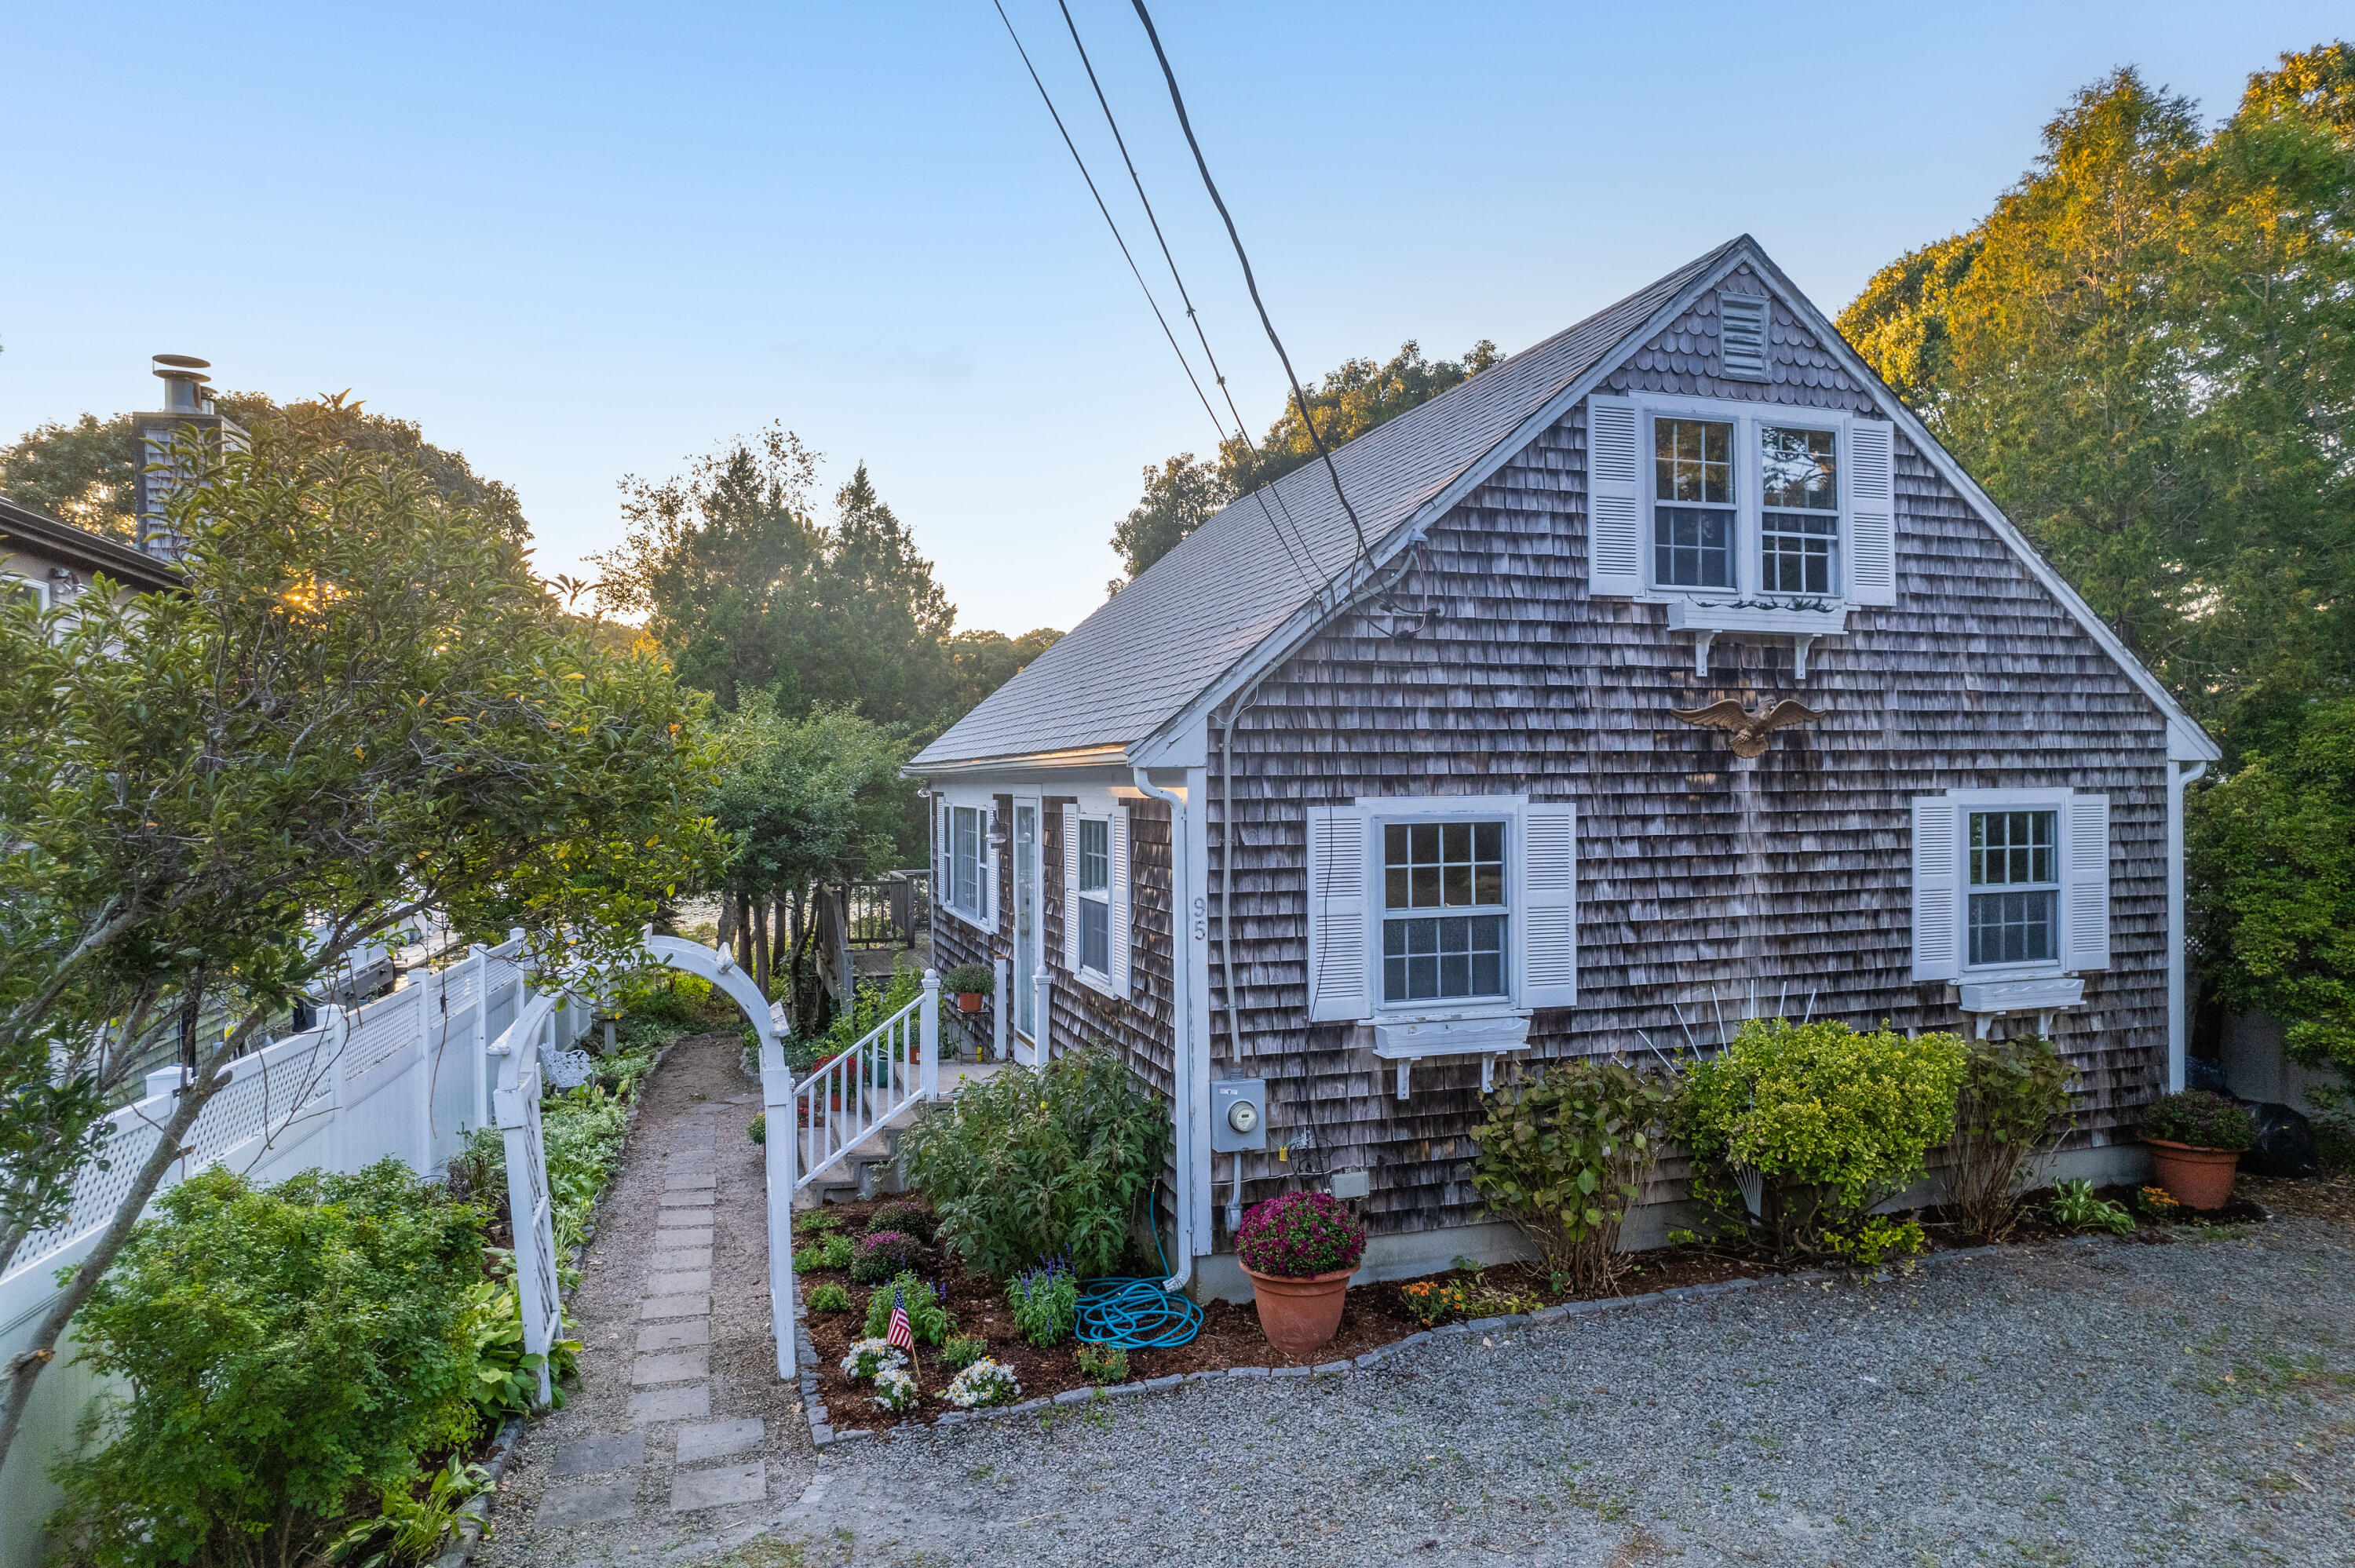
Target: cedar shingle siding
x=1719, y=888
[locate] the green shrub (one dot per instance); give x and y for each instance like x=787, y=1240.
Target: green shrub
x=829, y=1297
x=837, y=1251
x=505, y=1379
x=2014, y=1102
x=1046, y=1302
x=1562, y=1157
x=283, y=1349
x=929, y=1318
x=2075, y=1208
x=961, y=1352
x=1046, y=1164
x=582, y=1131
x=1831, y=1121
x=2200, y=1118
x=906, y=1216
x=410, y=1528
x=1874, y=1240
x=1103, y=1363
x=757, y=1129
x=978, y=978
x=881, y=1256
x=817, y=1220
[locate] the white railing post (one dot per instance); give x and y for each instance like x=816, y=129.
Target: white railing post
x=929, y=1032
x=1042, y=1022
x=1001, y=1020
x=778, y=1097
x=480, y=1033
x=428, y=986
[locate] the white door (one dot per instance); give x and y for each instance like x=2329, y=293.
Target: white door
x=1026, y=919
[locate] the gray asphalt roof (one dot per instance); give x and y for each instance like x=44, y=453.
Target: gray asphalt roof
x=1156, y=644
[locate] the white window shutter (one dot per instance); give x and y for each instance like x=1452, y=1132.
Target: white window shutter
x=987, y=900
x=1872, y=512
x=1336, y=914
x=2088, y=920
x=1117, y=900
x=941, y=889
x=1072, y=889
x=1549, y=912
x=1937, y=875
x=1614, y=509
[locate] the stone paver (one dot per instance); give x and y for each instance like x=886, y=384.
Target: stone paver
x=688, y=1180
x=674, y=1306
x=719, y=1485
x=677, y=1366
x=595, y=1503
x=673, y=1335
x=718, y=1439
x=682, y=1257
x=594, y=1455
x=698, y=1199
x=672, y=1403
x=680, y=1282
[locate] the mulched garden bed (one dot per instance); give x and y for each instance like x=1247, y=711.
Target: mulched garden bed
x=1375, y=1315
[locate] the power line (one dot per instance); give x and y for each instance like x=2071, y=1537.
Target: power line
x=1299, y=398
x=1315, y=584
x=1243, y=430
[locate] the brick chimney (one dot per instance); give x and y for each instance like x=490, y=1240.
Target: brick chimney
x=188, y=405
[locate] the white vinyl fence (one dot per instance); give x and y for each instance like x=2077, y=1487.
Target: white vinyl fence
x=409, y=1076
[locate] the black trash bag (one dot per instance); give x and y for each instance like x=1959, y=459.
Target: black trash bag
x=2200, y=1072
x=2284, y=1145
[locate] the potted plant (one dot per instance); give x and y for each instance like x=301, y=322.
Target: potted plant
x=970, y=984
x=2196, y=1139
x=1300, y=1249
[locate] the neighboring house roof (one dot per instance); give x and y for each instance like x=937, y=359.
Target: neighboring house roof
x=32, y=532
x=1232, y=599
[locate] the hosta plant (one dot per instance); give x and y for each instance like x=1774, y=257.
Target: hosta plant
x=2076, y=1207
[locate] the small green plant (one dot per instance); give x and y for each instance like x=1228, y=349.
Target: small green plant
x=895, y=1389
x=983, y=1383
x=1433, y=1301
x=758, y=1129
x=929, y=1318
x=1830, y=1122
x=2202, y=1118
x=970, y=979
x=2074, y=1207
x=961, y=1352
x=809, y=1257
x=869, y=1356
x=1874, y=1240
x=1103, y=1363
x=2013, y=1104
x=836, y=1251
x=506, y=1376
x=1562, y=1156
x=2158, y=1203
x=817, y=1220
x=880, y=1256
x=829, y=1297
x=408, y=1528
x=1046, y=1302
x=906, y=1216
x=1045, y=1164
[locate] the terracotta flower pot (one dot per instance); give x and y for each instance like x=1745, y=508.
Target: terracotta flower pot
x=2194, y=1177
x=970, y=1000
x=1299, y=1315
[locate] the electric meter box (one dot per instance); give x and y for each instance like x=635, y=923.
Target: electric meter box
x=1237, y=1115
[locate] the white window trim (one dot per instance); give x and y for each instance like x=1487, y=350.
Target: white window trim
x=1963, y=803
x=1510, y=810
x=1099, y=978
x=46, y=599
x=1120, y=894
x=1748, y=420
x=982, y=915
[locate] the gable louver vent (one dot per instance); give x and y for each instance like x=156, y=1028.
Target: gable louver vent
x=1742, y=336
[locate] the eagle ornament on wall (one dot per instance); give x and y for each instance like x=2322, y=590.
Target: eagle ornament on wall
x=1749, y=730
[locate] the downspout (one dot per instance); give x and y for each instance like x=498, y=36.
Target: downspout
x=1181, y=969
x=2179, y=776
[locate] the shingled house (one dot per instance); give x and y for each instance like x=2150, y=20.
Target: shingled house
x=1333, y=825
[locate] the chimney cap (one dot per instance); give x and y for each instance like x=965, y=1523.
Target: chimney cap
x=184, y=362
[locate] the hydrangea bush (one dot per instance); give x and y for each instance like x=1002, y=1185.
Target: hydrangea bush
x=1293, y=1235
x=986, y=1382
x=869, y=1357
x=894, y=1389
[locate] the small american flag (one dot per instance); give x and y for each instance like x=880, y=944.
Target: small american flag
x=900, y=1334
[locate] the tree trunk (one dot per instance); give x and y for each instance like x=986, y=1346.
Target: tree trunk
x=727, y=922
x=775, y=913
x=757, y=909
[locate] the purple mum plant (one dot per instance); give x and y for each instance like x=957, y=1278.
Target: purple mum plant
x=883, y=1255
x=1293, y=1235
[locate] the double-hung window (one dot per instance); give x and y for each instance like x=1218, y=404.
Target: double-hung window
x=1444, y=911
x=966, y=868
x=1706, y=533
x=1798, y=518
x=1095, y=894
x=1693, y=508
x=2014, y=888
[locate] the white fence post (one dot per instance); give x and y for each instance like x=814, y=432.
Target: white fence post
x=479, y=1032
x=929, y=1030
x=781, y=1132
x=1044, y=1021
x=428, y=986
x=1001, y=1021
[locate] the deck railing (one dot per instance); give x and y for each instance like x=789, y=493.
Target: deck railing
x=889, y=911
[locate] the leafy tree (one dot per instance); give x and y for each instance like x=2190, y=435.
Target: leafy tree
x=1184, y=491
x=87, y=472
x=2141, y=352
x=981, y=661
x=2273, y=851
x=362, y=706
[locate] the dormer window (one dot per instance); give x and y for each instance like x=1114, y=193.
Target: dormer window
x=1798, y=519
x=1693, y=519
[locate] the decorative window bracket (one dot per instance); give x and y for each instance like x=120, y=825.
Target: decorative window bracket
x=1485, y=1035
x=1801, y=619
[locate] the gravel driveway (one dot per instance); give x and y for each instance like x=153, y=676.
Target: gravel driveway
x=2086, y=1402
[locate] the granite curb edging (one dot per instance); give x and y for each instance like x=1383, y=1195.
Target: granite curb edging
x=823, y=1433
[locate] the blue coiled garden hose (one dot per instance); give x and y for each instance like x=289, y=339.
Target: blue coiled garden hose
x=1137, y=1314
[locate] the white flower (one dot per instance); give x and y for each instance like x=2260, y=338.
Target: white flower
x=869, y=1357
x=987, y=1381
x=894, y=1389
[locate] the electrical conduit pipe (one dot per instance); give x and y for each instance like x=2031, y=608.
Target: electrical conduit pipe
x=1181, y=972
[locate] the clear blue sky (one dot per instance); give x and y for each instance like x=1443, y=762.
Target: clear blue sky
x=581, y=241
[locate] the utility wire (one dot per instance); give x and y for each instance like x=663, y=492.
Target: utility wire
x=1299, y=398
x=1243, y=430
x=1315, y=584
